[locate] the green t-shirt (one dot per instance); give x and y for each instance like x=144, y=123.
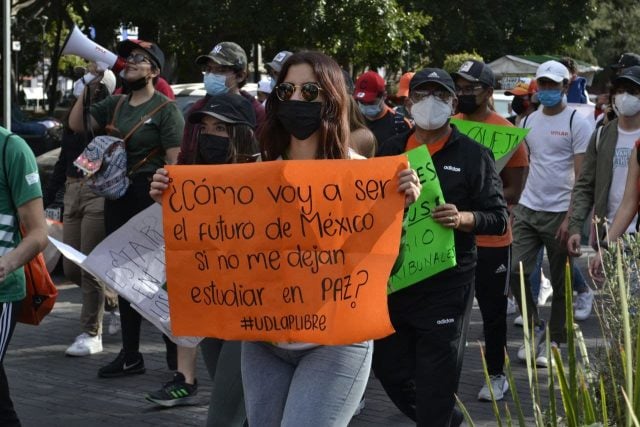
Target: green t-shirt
x=164, y=129
x=23, y=186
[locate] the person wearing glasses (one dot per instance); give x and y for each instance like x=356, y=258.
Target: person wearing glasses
x=419, y=365
x=224, y=70
x=293, y=383
x=226, y=126
x=151, y=146
x=474, y=87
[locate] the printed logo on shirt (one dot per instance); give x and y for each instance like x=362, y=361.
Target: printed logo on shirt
x=445, y=321
x=559, y=133
x=32, y=178
x=451, y=168
x=501, y=269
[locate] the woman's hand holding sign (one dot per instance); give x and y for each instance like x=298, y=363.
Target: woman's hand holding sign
x=159, y=184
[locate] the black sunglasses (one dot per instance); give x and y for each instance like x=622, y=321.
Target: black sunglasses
x=309, y=91
x=138, y=58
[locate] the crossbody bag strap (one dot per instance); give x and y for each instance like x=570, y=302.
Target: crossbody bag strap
x=112, y=126
x=144, y=118
x=153, y=152
x=6, y=176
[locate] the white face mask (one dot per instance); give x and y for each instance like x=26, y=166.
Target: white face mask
x=625, y=104
x=432, y=112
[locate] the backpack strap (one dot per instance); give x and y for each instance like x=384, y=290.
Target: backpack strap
x=598, y=133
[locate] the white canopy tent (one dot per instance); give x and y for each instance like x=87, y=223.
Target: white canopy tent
x=509, y=68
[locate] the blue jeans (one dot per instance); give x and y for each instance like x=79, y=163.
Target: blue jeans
x=321, y=386
x=579, y=284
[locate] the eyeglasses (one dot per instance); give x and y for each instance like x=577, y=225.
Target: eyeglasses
x=138, y=58
x=309, y=91
x=418, y=95
x=468, y=90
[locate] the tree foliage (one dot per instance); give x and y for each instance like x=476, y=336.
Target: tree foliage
x=396, y=34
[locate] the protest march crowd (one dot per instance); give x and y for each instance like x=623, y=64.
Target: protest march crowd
x=405, y=245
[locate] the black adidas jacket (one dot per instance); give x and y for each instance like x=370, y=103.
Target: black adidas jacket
x=468, y=178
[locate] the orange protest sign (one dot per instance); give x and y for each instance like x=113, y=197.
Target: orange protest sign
x=287, y=251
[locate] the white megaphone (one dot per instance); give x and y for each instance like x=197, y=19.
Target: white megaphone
x=79, y=44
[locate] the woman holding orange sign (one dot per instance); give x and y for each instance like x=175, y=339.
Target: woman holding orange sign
x=288, y=384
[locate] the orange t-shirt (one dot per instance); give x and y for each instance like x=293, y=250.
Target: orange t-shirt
x=519, y=159
x=433, y=148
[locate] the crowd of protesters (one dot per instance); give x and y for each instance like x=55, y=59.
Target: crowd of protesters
x=569, y=169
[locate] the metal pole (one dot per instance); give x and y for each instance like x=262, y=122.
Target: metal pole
x=6, y=63
x=43, y=20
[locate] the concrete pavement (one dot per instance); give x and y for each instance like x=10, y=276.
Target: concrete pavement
x=50, y=389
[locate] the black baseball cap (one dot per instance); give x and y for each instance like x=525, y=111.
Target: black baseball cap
x=125, y=47
x=628, y=59
x=629, y=73
x=432, y=75
x=476, y=71
x=229, y=108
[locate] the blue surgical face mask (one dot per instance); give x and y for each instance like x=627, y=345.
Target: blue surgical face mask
x=214, y=84
x=550, y=97
x=370, y=111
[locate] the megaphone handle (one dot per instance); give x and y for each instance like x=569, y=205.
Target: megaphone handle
x=119, y=65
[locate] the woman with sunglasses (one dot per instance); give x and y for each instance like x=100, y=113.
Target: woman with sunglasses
x=226, y=125
x=152, y=145
x=294, y=384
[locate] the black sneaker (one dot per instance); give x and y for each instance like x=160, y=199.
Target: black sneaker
x=175, y=393
x=122, y=366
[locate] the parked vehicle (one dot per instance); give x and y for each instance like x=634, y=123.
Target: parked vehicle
x=188, y=93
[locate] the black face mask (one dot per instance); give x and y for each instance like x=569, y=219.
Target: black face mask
x=213, y=149
x=135, y=85
x=519, y=105
x=300, y=118
x=467, y=104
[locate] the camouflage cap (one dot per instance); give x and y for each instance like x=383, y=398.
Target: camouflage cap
x=226, y=53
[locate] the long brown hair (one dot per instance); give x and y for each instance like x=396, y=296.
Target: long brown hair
x=334, y=129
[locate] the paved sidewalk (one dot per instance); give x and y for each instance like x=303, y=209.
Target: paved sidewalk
x=50, y=389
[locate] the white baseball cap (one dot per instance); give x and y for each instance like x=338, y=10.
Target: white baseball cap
x=109, y=80
x=553, y=70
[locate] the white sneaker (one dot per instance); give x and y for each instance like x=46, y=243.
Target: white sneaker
x=114, y=322
x=512, y=307
x=538, y=332
x=583, y=305
x=541, y=360
x=499, y=385
x=518, y=321
x=85, y=345
x=546, y=291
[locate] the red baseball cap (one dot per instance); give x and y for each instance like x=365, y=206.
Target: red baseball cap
x=369, y=86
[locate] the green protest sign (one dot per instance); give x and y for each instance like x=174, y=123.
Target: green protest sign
x=429, y=247
x=502, y=140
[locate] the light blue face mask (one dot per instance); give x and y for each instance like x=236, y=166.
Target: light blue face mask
x=370, y=111
x=550, y=97
x=214, y=84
